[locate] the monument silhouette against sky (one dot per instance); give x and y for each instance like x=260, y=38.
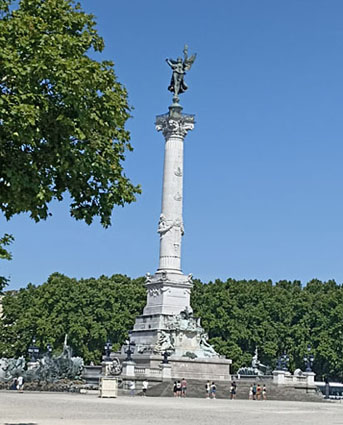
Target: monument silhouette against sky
x=167, y=326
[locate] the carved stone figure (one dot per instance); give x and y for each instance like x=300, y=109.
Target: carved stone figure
x=49, y=368
x=165, y=342
x=207, y=348
x=11, y=368
x=115, y=368
x=177, y=84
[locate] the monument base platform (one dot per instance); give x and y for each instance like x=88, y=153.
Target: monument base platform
x=151, y=367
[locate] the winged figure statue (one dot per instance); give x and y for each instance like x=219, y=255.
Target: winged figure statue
x=179, y=67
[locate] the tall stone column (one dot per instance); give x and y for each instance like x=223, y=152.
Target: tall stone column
x=168, y=290
x=174, y=127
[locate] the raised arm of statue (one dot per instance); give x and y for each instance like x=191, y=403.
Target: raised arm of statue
x=170, y=63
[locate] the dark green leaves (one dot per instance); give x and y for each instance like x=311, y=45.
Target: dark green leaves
x=90, y=311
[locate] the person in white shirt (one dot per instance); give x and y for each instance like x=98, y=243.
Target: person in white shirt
x=145, y=385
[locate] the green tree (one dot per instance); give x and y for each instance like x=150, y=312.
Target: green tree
x=90, y=311
x=62, y=114
x=240, y=315
x=5, y=255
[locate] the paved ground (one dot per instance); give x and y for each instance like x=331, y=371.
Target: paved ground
x=76, y=409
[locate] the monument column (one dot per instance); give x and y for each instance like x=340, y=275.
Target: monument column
x=174, y=127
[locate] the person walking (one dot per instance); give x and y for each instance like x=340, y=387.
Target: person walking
x=183, y=387
x=213, y=390
x=208, y=389
x=145, y=385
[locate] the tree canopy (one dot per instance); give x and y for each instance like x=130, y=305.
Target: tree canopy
x=90, y=311
x=62, y=114
x=238, y=315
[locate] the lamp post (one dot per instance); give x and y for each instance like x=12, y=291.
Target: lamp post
x=49, y=350
x=308, y=359
x=282, y=363
x=33, y=350
x=129, y=352
x=108, y=349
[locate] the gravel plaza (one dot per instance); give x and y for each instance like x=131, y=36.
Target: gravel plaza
x=75, y=409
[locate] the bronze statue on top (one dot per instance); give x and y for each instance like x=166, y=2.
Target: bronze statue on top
x=179, y=67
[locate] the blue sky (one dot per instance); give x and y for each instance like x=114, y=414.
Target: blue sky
x=263, y=166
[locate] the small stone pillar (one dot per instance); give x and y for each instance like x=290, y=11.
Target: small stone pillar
x=129, y=368
x=279, y=377
x=166, y=371
x=108, y=387
x=309, y=378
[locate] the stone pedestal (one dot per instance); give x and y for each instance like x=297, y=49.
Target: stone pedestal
x=309, y=378
x=108, y=387
x=279, y=377
x=166, y=370
x=129, y=368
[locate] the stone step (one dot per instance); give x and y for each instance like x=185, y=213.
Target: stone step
x=196, y=389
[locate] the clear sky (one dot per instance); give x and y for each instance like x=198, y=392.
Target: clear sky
x=263, y=188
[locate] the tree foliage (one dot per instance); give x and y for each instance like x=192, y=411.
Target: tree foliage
x=238, y=315
x=241, y=315
x=5, y=255
x=90, y=311
x=62, y=114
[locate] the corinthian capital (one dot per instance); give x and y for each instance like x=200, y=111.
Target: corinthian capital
x=174, y=126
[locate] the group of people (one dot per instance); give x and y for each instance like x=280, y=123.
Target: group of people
x=257, y=392
x=211, y=389
x=132, y=387
x=180, y=388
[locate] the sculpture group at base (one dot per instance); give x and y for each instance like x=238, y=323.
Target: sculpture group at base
x=49, y=368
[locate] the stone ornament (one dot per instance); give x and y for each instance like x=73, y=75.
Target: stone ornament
x=174, y=128
x=165, y=225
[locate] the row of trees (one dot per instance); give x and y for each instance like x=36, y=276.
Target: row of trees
x=238, y=315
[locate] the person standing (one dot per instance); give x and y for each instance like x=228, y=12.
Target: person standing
x=250, y=392
x=178, y=388
x=145, y=385
x=132, y=388
x=258, y=392
x=20, y=384
x=254, y=389
x=183, y=387
x=264, y=392
x=175, y=389
x=233, y=390
x=208, y=389
x=213, y=390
